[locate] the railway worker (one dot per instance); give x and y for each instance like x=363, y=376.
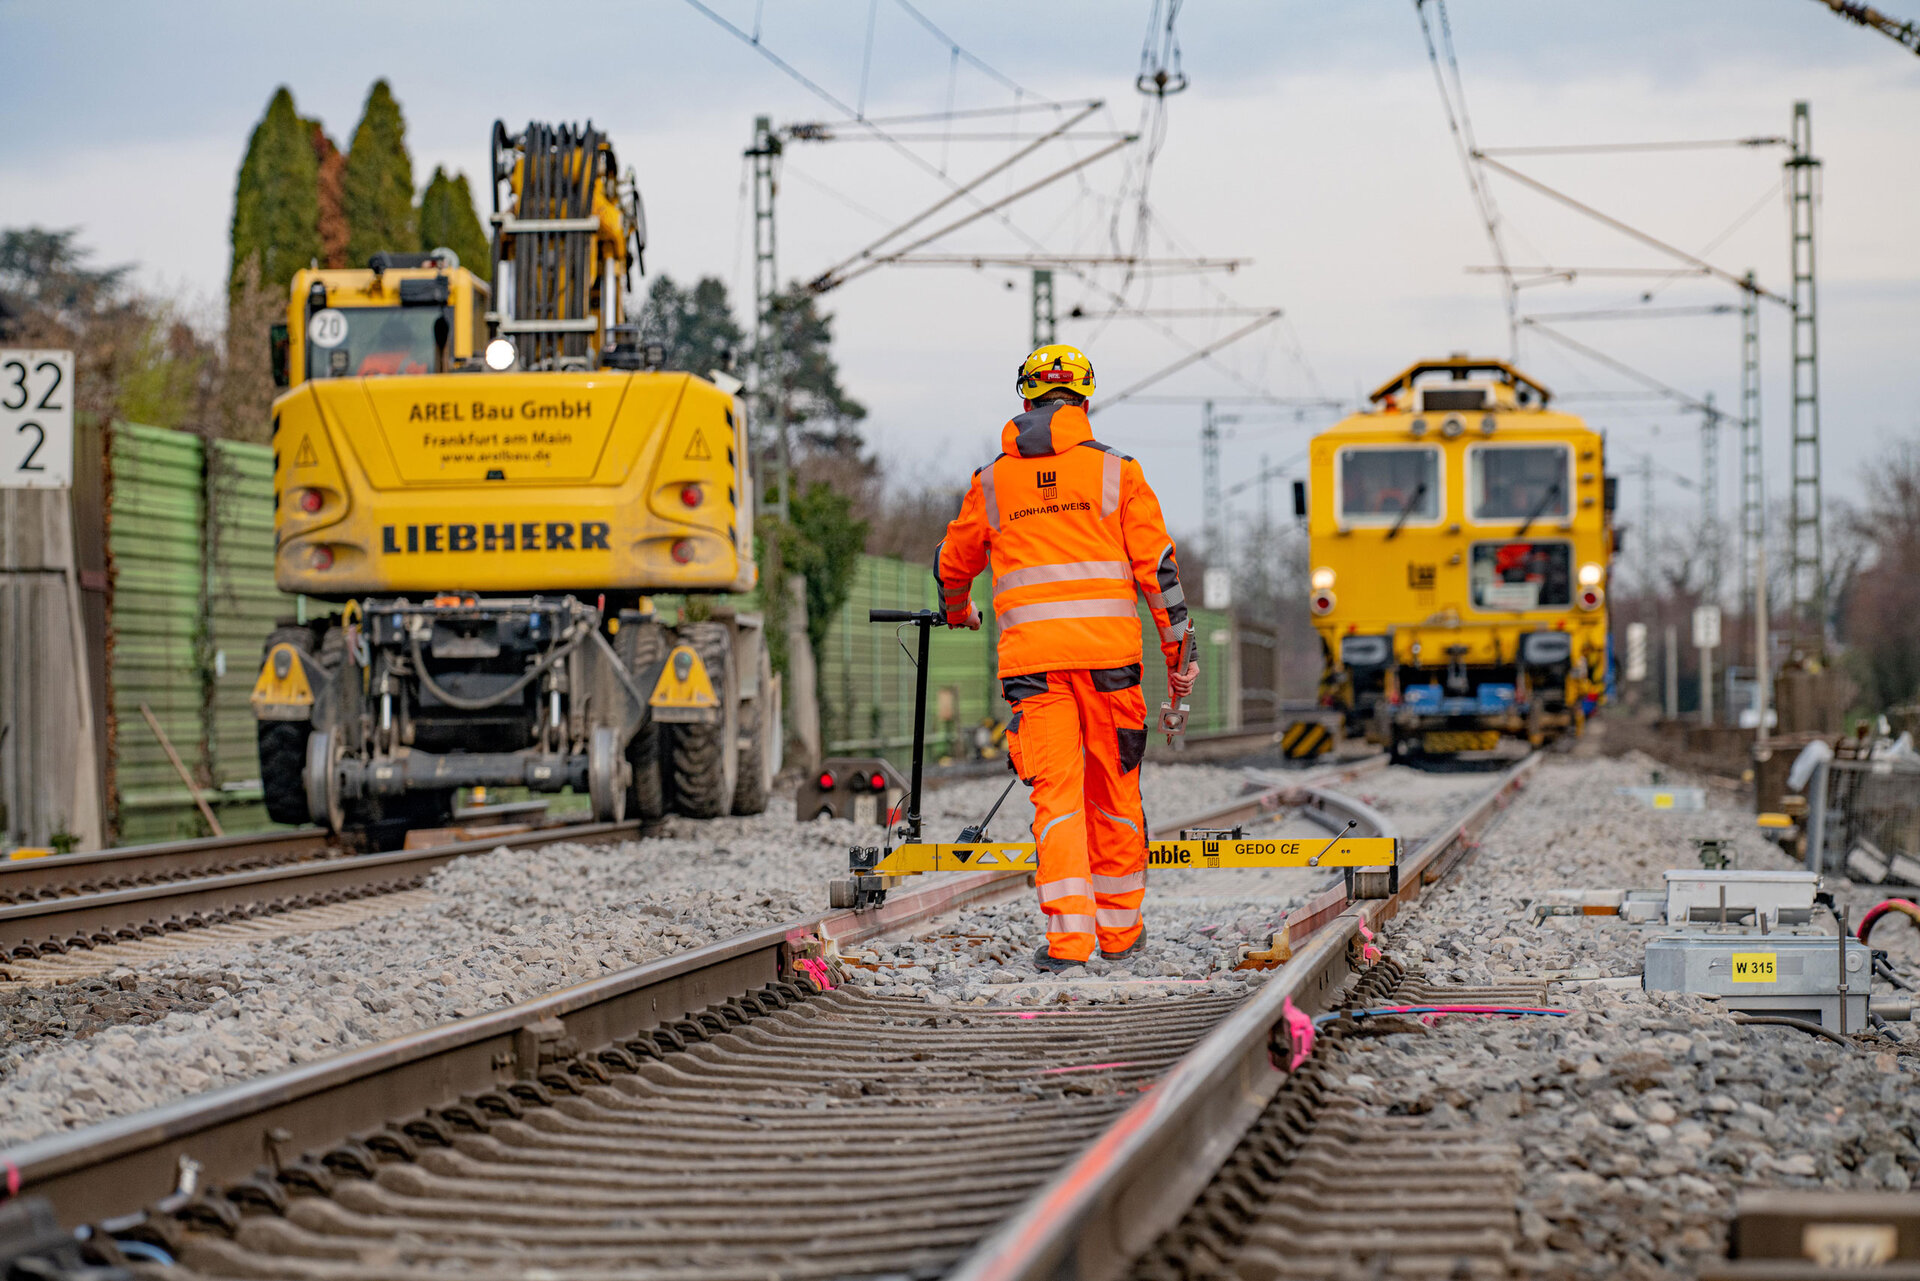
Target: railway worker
x=1071, y=529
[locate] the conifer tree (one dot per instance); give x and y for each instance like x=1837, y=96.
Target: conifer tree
x=333, y=217
x=447, y=218
x=377, y=189
x=276, y=201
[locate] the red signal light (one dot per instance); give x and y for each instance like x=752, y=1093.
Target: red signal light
x=878, y=782
x=691, y=496
x=826, y=780
x=310, y=500
x=682, y=551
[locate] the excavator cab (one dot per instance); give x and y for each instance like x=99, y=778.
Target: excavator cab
x=401, y=314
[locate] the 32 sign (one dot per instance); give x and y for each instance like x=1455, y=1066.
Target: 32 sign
x=36, y=419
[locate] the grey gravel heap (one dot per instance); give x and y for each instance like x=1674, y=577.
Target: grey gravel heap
x=1642, y=1115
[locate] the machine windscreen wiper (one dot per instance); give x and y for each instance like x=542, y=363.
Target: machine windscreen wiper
x=1546, y=500
x=1419, y=492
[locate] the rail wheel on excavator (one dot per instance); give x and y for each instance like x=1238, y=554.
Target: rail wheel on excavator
x=496, y=495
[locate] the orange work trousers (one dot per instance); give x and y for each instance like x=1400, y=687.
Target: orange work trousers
x=1077, y=740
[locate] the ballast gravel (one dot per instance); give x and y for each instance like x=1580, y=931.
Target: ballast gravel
x=1199, y=923
x=499, y=928
x=1641, y=1116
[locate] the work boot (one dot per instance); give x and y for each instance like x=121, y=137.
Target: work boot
x=1129, y=950
x=1045, y=960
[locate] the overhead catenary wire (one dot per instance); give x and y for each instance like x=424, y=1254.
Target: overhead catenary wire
x=1727, y=234
x=960, y=52
x=1460, y=125
x=1622, y=367
x=1632, y=313
x=1627, y=229
x=987, y=259
x=1184, y=361
x=958, y=193
x=1603, y=148
x=972, y=113
x=1093, y=284
x=870, y=262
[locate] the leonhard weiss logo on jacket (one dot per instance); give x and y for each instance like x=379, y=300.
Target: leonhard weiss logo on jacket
x=1048, y=491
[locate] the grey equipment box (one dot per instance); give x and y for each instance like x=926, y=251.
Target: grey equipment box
x=1782, y=898
x=1792, y=974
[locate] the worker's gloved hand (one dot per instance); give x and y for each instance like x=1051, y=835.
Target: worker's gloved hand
x=971, y=622
x=1180, y=684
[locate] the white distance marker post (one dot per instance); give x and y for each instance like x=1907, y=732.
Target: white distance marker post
x=36, y=419
x=1706, y=639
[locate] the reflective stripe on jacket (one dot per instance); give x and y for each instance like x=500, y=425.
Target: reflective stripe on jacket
x=1071, y=530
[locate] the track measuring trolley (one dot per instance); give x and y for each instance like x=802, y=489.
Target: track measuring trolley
x=1371, y=864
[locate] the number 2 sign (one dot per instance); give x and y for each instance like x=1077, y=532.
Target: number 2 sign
x=36, y=419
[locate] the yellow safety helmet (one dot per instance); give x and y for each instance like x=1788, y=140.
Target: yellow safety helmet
x=1055, y=365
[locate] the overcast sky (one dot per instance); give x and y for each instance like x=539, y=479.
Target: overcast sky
x=1312, y=141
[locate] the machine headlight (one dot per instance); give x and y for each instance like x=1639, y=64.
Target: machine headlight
x=501, y=355
x=1591, y=574
x=1323, y=578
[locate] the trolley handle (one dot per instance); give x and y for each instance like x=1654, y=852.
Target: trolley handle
x=926, y=620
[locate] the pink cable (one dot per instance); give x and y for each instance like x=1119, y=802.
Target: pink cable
x=1299, y=1033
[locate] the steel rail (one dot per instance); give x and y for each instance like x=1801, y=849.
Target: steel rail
x=55, y=925
x=1271, y=799
x=27, y=878
x=125, y=1164
x=1109, y=1205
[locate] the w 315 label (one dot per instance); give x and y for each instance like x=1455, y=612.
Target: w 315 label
x=1755, y=967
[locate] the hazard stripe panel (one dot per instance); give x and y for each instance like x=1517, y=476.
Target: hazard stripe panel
x=1351, y=851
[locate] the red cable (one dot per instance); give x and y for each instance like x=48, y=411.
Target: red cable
x=1905, y=907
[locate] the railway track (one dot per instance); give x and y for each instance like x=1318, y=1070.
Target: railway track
x=55, y=906
x=1122, y=1197
x=34, y=880
x=85, y=901
x=711, y=1114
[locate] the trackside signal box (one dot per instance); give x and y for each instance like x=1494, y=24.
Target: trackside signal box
x=864, y=789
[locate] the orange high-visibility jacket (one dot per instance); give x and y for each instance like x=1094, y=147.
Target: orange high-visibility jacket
x=1069, y=528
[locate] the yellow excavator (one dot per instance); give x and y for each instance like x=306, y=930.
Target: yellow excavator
x=492, y=489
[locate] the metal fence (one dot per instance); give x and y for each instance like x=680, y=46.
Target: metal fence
x=1866, y=818
x=191, y=533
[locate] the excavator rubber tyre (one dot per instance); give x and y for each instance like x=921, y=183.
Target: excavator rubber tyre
x=645, y=644
x=283, y=745
x=758, y=720
x=706, y=758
